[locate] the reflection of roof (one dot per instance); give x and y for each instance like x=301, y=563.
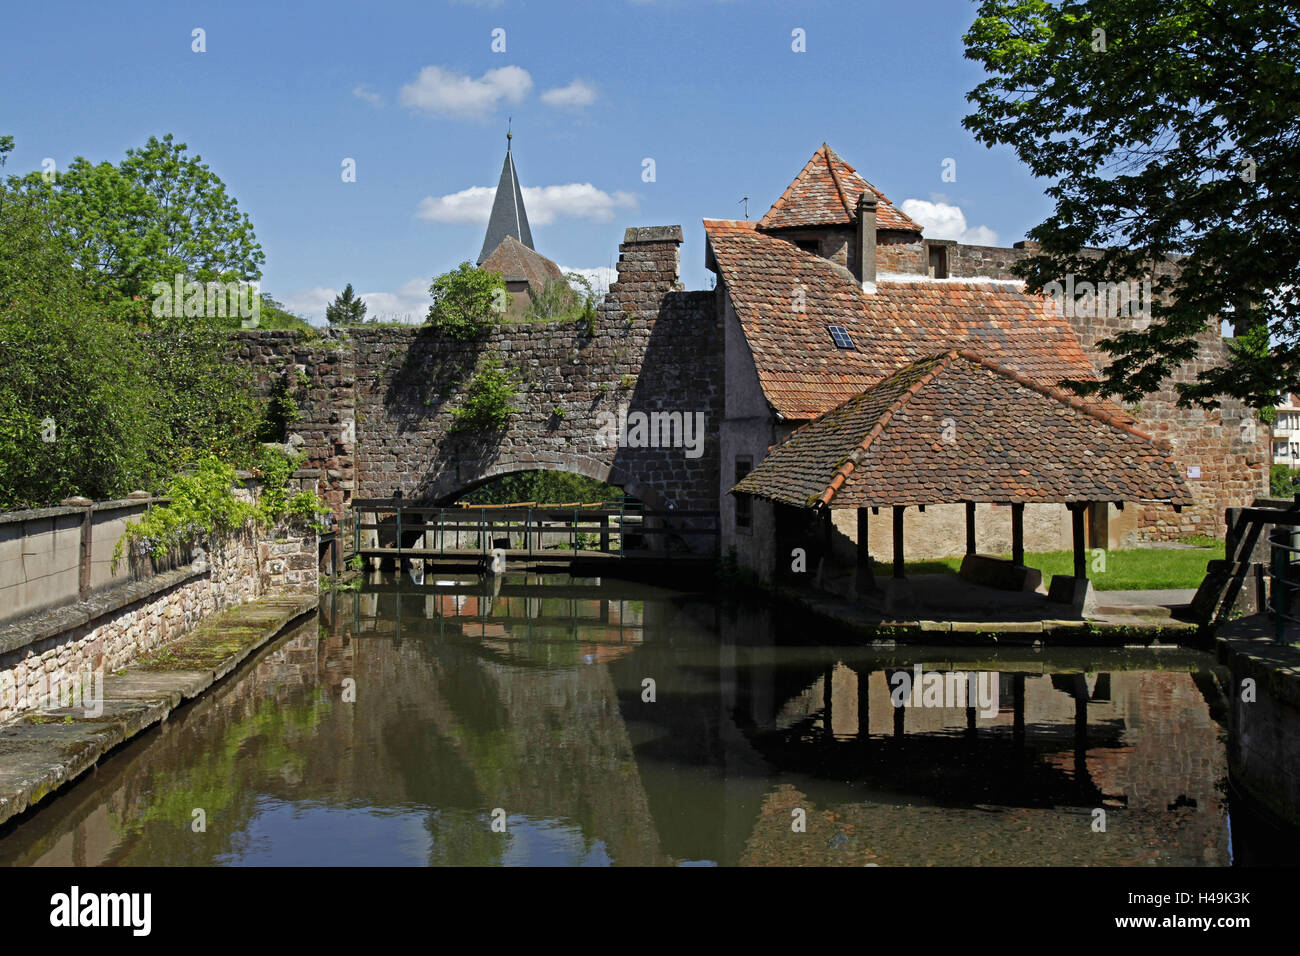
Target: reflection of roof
x=825, y=193
x=785, y=298
x=508, y=216
x=958, y=427
x=517, y=262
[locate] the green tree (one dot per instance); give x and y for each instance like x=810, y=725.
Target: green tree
x=467, y=302
x=346, y=309
x=1167, y=128
x=160, y=213
x=76, y=409
x=93, y=405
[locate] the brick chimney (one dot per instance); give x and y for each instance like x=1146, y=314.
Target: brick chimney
x=866, y=262
x=649, y=260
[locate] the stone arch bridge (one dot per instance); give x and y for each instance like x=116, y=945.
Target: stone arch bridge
x=602, y=400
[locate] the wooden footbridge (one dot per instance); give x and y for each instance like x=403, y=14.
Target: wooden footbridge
x=396, y=530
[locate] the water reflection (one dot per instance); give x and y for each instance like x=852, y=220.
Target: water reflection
x=607, y=722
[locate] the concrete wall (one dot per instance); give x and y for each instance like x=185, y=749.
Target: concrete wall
x=41, y=556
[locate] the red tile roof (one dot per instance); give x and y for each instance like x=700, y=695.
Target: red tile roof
x=960, y=427
x=826, y=193
x=785, y=298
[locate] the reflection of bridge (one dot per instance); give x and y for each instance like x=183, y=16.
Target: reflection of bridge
x=397, y=530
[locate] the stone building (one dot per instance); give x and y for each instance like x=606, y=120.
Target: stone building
x=834, y=288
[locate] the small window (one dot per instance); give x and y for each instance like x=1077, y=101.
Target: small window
x=809, y=245
x=938, y=262
x=744, y=503
x=840, y=336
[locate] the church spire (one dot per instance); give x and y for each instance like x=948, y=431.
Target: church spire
x=508, y=216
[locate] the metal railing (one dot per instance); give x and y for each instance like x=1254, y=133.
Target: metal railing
x=610, y=529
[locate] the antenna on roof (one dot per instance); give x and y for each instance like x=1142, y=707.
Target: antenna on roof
x=745, y=200
x=509, y=135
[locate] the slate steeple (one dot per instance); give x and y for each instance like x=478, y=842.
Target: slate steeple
x=508, y=216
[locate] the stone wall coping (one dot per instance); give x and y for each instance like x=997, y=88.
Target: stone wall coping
x=636, y=234
x=50, y=623
x=1274, y=666
x=35, y=514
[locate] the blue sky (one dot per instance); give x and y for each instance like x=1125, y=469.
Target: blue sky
x=414, y=93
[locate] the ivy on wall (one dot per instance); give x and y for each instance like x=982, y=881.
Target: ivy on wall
x=203, y=505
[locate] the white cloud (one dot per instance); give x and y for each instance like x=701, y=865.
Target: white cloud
x=310, y=303
x=574, y=96
x=544, y=204
x=443, y=92
x=410, y=303
x=600, y=277
x=472, y=205
x=362, y=91
x=943, y=220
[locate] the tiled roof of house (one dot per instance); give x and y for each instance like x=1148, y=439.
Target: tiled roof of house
x=785, y=298
x=960, y=427
x=825, y=193
x=514, y=260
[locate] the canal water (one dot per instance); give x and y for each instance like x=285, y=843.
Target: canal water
x=556, y=720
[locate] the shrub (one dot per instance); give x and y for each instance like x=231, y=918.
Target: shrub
x=489, y=398
x=467, y=302
x=203, y=506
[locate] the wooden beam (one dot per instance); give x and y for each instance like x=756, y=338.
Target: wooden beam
x=1018, y=533
x=864, y=540
x=898, y=541
x=970, y=527
x=1080, y=551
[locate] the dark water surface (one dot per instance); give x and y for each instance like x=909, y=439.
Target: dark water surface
x=527, y=705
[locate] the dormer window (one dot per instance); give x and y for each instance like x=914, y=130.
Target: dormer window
x=840, y=337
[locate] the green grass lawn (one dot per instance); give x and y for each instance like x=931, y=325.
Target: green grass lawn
x=1136, y=569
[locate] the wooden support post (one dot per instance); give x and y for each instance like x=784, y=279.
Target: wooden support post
x=604, y=533
x=828, y=684
x=1018, y=709
x=864, y=540
x=866, y=577
x=970, y=527
x=898, y=541
x=1080, y=553
x=1018, y=533
x=336, y=549
x=864, y=704
x=87, y=551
